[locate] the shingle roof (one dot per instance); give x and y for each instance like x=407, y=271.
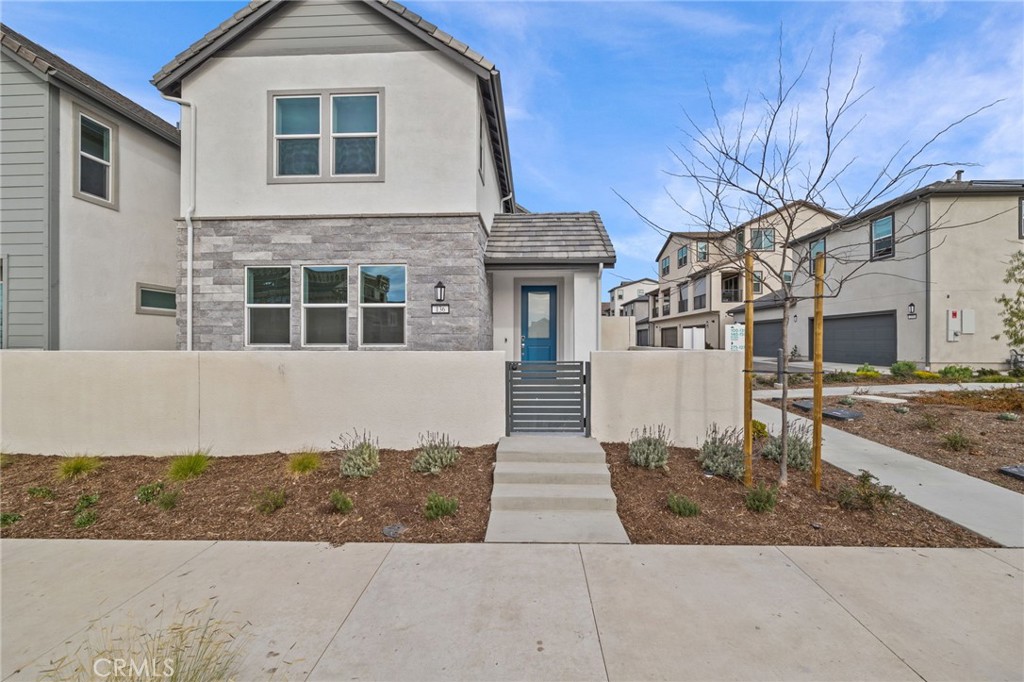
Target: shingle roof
x=550, y=238
x=51, y=65
x=770, y=300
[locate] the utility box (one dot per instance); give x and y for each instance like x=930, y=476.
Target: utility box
x=967, y=321
x=953, y=328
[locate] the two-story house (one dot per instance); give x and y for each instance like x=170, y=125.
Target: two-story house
x=88, y=195
x=701, y=273
x=915, y=278
x=627, y=292
x=347, y=184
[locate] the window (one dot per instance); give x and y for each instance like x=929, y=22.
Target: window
x=882, y=238
x=731, y=289
x=702, y=252
x=268, y=299
x=758, y=281
x=330, y=136
x=382, y=299
x=740, y=248
x=762, y=239
x=684, y=297
x=700, y=290
x=619, y=296
x=153, y=299
x=95, y=166
x=664, y=266
x=682, y=256
x=817, y=247
x=666, y=302
x=787, y=276
x=324, y=305
x=639, y=293
x=1020, y=215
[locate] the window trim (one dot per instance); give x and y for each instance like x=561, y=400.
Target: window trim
x=787, y=276
x=707, y=251
x=684, y=297
x=159, y=288
x=762, y=231
x=741, y=246
x=892, y=236
x=362, y=306
x=249, y=306
x=1020, y=218
x=703, y=298
x=811, y=254
x=758, y=282
x=113, y=202
x=326, y=136
x=305, y=306
x=682, y=255
x=666, y=264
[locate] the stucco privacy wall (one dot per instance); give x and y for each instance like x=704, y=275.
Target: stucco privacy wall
x=684, y=390
x=162, y=403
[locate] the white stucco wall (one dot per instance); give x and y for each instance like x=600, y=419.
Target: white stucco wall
x=488, y=193
x=105, y=252
x=618, y=333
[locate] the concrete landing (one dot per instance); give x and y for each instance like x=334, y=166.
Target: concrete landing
x=553, y=490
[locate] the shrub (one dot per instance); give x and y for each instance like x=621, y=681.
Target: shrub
x=85, y=519
x=901, y=409
x=987, y=372
x=957, y=372
x=838, y=377
x=865, y=493
x=149, y=492
x=929, y=376
x=1008, y=416
x=996, y=379
x=929, y=422
x=44, y=493
x=648, y=448
x=341, y=502
x=869, y=374
x=721, y=453
x=9, y=518
x=304, y=462
x=85, y=501
x=799, y=378
x=269, y=501
x=438, y=506
x=759, y=429
x=189, y=465
x=761, y=498
x=167, y=500
x=1017, y=373
x=683, y=506
x=846, y=400
x=362, y=456
x=956, y=441
x=437, y=451
x=5, y=460
x=79, y=465
x=800, y=450
x=903, y=369
x=865, y=369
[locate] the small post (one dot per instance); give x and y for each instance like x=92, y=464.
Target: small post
x=819, y=291
x=780, y=362
x=748, y=370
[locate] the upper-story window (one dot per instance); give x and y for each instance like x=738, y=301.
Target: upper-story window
x=330, y=136
x=700, y=293
x=702, y=252
x=96, y=159
x=666, y=302
x=817, y=248
x=758, y=281
x=762, y=239
x=882, y=242
x=684, y=297
x=639, y=292
x=682, y=256
x=619, y=295
x=1020, y=222
x=740, y=246
x=664, y=266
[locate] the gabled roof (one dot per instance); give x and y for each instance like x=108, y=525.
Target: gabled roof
x=549, y=239
x=634, y=281
x=50, y=66
x=168, y=79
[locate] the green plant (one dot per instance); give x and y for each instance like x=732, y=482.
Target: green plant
x=361, y=455
x=847, y=400
x=167, y=500
x=304, y=462
x=957, y=372
x=987, y=372
x=930, y=376
x=85, y=519
x=870, y=374
x=683, y=506
x=929, y=422
x=866, y=369
x=149, y=492
x=85, y=501
x=438, y=506
x=341, y=502
x=436, y=452
x=759, y=429
x=838, y=377
x=5, y=460
x=865, y=493
x=996, y=379
x=761, y=498
x=721, y=453
x=269, y=501
x=648, y=447
x=9, y=518
x=1017, y=373
x=794, y=353
x=43, y=493
x=799, y=378
x=71, y=468
x=956, y=441
x=901, y=409
x=903, y=369
x=1008, y=416
x=1012, y=313
x=799, y=451
x=189, y=465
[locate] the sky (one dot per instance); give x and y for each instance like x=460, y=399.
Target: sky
x=602, y=98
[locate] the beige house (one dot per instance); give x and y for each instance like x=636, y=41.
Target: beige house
x=700, y=274
x=627, y=292
x=915, y=278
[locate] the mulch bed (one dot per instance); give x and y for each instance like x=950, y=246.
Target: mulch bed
x=220, y=504
x=802, y=516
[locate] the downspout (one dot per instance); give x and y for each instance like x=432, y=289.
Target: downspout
x=927, y=285
x=188, y=215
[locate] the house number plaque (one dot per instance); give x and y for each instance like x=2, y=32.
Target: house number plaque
x=439, y=309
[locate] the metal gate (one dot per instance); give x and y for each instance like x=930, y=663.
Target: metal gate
x=547, y=397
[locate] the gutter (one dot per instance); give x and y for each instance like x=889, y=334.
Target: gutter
x=928, y=285
x=190, y=231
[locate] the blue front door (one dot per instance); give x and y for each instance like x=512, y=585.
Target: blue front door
x=539, y=325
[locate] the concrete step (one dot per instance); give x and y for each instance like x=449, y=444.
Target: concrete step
x=559, y=449
x=552, y=526
x=540, y=497
x=552, y=473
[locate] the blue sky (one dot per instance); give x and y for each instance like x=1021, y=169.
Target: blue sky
x=597, y=94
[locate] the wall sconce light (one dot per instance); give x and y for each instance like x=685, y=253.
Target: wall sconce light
x=911, y=312
x=794, y=317
x=439, y=292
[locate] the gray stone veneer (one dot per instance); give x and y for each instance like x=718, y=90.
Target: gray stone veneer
x=447, y=248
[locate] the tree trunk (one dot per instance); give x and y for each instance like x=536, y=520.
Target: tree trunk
x=784, y=435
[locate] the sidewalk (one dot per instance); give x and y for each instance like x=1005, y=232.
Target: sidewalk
x=538, y=612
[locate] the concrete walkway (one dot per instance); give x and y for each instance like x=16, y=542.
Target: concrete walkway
x=537, y=612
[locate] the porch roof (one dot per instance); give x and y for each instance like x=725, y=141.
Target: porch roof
x=549, y=238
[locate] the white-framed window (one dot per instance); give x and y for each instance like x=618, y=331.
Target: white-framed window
x=96, y=159
x=787, y=276
x=324, y=305
x=702, y=253
x=620, y=296
x=268, y=306
x=700, y=291
x=682, y=256
x=817, y=247
x=740, y=246
x=297, y=136
x=153, y=299
x=882, y=238
x=758, y=281
x=762, y=239
x=664, y=266
x=639, y=292
x=382, y=303
x=355, y=131
x=684, y=297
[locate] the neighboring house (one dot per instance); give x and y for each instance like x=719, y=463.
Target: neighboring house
x=350, y=158
x=701, y=274
x=89, y=192
x=929, y=266
x=640, y=308
x=629, y=291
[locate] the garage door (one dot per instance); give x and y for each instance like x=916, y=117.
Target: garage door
x=767, y=338
x=856, y=339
